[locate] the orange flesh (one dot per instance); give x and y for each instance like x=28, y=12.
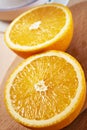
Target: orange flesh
x=44, y=88
x=50, y=25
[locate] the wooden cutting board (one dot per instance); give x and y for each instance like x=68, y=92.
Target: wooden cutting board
x=78, y=49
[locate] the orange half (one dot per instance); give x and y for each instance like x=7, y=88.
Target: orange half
x=46, y=90
x=44, y=27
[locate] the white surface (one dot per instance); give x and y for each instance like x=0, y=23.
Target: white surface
x=3, y=26
x=6, y=58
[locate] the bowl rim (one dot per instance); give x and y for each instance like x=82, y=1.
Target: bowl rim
x=17, y=7
x=28, y=4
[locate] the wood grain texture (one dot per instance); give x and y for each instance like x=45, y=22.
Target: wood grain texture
x=78, y=49
x=80, y=123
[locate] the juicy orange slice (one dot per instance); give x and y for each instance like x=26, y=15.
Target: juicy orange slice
x=46, y=90
x=44, y=27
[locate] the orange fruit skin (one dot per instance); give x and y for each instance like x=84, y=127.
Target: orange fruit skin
x=68, y=118
x=59, y=43
x=63, y=43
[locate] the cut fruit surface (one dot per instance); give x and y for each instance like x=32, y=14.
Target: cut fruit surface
x=44, y=27
x=45, y=90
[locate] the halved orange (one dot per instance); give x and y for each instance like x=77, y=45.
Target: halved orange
x=48, y=26
x=46, y=90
